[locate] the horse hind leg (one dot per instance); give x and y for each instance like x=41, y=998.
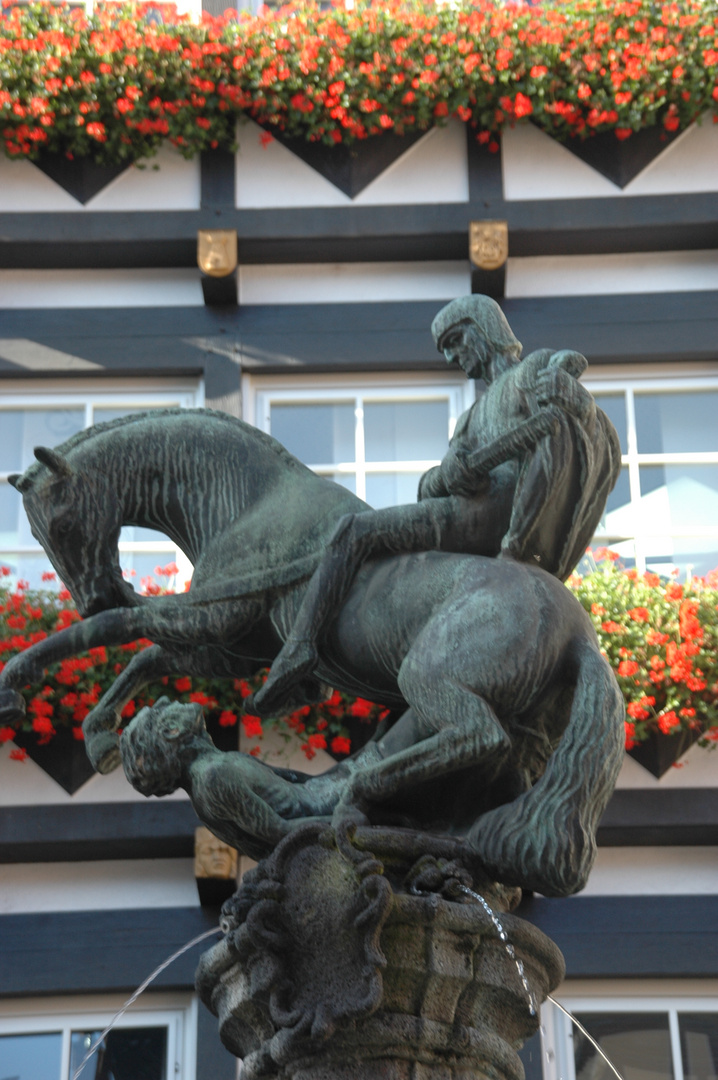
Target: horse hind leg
x=545, y=839
x=456, y=726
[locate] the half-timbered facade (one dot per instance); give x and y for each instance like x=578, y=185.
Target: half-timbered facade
x=321, y=336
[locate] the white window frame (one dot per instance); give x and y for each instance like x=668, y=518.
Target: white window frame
x=187, y=393
x=619, y=998
x=653, y=379
x=178, y=1012
x=259, y=393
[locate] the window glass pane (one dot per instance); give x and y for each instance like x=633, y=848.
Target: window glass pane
x=638, y=1044
x=391, y=489
x=617, y=519
x=29, y=568
x=614, y=406
x=676, y=497
x=135, y=533
x=406, y=430
x=699, y=1045
x=30, y=1057
x=24, y=429
x=124, y=1054
x=689, y=555
x=674, y=422
x=11, y=513
x=11, y=423
x=316, y=434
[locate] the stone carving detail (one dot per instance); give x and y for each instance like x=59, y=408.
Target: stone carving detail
x=331, y=970
x=306, y=900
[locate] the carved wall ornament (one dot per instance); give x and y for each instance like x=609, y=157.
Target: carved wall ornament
x=488, y=244
x=217, y=252
x=212, y=857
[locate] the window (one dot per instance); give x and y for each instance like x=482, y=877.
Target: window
x=663, y=512
x=375, y=438
x=646, y=1038
x=49, y=1041
x=47, y=414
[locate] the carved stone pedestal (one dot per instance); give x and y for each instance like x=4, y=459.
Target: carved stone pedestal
x=338, y=966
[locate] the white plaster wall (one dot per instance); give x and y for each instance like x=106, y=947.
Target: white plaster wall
x=535, y=166
x=100, y=288
x=433, y=170
x=654, y=871
x=334, y=283
x=597, y=275
x=23, y=783
x=91, y=886
x=175, y=185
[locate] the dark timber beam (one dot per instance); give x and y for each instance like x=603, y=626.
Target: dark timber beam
x=634, y=818
x=113, y=951
x=631, y=937
x=359, y=233
x=356, y=337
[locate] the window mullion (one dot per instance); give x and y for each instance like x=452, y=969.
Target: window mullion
x=65, y=1058
x=675, y=1044
x=634, y=479
x=359, y=448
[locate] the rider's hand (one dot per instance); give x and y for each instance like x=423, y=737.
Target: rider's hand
x=459, y=478
x=556, y=387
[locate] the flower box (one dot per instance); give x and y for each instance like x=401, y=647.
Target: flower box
x=659, y=752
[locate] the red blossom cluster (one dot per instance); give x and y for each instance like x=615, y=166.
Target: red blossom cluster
x=661, y=638
x=72, y=687
x=115, y=84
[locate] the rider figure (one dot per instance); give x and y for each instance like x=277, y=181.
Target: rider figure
x=526, y=477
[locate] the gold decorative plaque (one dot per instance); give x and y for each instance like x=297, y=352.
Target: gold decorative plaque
x=217, y=252
x=488, y=244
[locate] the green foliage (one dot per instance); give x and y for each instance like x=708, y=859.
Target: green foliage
x=118, y=83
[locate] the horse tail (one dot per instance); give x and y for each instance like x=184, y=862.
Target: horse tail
x=545, y=840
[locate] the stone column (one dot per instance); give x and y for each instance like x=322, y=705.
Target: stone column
x=340, y=965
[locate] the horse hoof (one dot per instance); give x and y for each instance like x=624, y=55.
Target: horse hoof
x=279, y=692
x=103, y=750
x=12, y=707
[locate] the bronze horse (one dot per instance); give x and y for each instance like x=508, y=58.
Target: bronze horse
x=513, y=732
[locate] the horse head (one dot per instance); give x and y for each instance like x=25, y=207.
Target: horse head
x=77, y=519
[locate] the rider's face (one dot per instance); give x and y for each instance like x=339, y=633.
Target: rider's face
x=465, y=345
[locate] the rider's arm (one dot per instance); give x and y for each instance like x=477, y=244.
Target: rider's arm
x=454, y=476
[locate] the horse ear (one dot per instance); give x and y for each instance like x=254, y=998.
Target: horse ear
x=20, y=482
x=54, y=461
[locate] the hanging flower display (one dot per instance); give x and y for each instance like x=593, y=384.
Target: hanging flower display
x=116, y=84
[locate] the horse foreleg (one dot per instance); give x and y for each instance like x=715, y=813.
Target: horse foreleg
x=100, y=725
x=116, y=627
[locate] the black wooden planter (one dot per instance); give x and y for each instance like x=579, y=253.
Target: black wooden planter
x=660, y=751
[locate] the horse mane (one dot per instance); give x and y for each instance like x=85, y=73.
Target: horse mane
x=34, y=470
